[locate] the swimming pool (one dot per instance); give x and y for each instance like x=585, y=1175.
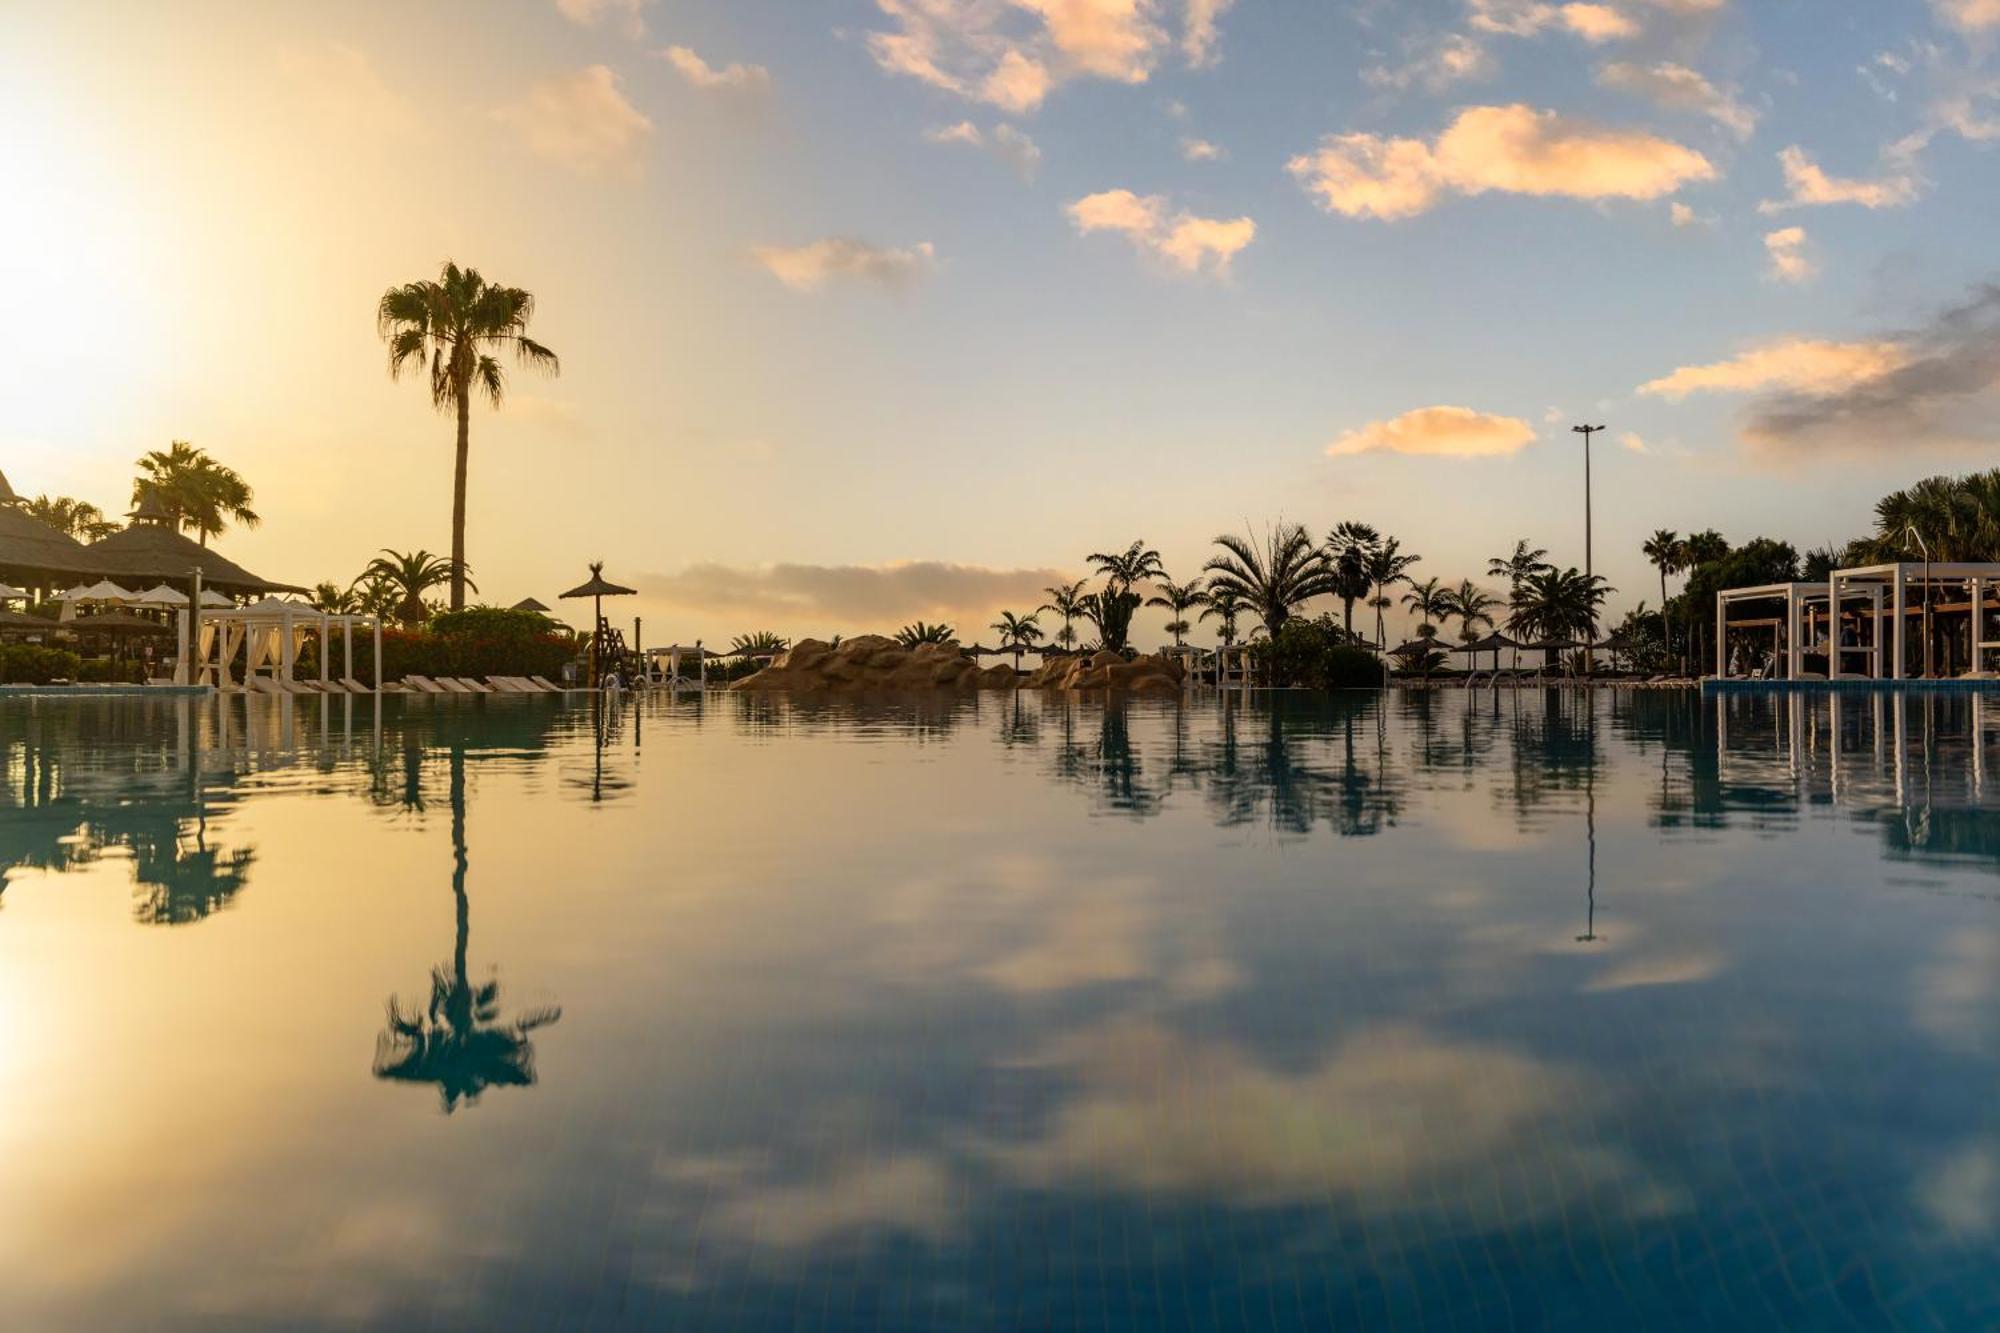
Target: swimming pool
x=1433, y=1010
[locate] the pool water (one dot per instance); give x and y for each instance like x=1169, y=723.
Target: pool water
x=1433, y=1010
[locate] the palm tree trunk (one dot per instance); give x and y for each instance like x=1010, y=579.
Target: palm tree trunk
x=459, y=863
x=458, y=498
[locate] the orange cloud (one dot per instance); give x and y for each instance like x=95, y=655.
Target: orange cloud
x=1013, y=55
x=1969, y=15
x=1789, y=262
x=1797, y=365
x=1189, y=243
x=733, y=78
x=1509, y=149
x=1452, y=432
x=1811, y=187
x=580, y=121
x=807, y=268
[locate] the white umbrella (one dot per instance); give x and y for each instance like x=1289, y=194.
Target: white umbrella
x=160, y=595
x=210, y=597
x=105, y=591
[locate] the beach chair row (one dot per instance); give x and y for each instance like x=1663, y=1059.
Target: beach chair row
x=491, y=685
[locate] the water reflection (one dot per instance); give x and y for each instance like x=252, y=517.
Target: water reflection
x=458, y=1040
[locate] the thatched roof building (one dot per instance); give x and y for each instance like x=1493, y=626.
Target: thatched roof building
x=150, y=553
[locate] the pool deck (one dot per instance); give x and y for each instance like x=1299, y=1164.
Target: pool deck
x=1714, y=685
x=99, y=691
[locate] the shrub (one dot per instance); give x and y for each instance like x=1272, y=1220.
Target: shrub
x=406, y=652
x=1316, y=654
x=32, y=664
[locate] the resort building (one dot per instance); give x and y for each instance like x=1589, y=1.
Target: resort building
x=1907, y=620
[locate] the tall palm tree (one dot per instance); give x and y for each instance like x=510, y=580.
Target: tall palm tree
x=332, y=599
x=1178, y=599
x=1017, y=633
x=1526, y=561
x=73, y=518
x=1698, y=549
x=1273, y=581
x=1127, y=569
x=1350, y=549
x=1225, y=605
x=451, y=329
x=198, y=494
x=1430, y=602
x=1473, y=606
x=757, y=641
x=1664, y=549
x=1065, y=600
x=412, y=574
x=1111, y=607
x=376, y=595
x=1387, y=566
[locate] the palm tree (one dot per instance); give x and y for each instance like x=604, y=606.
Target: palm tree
x=1698, y=549
x=197, y=493
x=332, y=599
x=1225, y=604
x=1430, y=602
x=1065, y=600
x=757, y=641
x=1387, y=566
x=1018, y=633
x=375, y=595
x=1178, y=599
x=73, y=518
x=1664, y=549
x=451, y=328
x=1526, y=561
x=1288, y=572
x=1351, y=548
x=1473, y=606
x=1559, y=605
x=413, y=574
x=918, y=632
x=1125, y=570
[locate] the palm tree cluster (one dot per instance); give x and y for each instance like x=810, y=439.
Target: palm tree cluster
x=392, y=586
x=194, y=492
x=919, y=632
x=73, y=518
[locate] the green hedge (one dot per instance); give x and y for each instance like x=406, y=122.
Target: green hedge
x=32, y=664
x=1316, y=654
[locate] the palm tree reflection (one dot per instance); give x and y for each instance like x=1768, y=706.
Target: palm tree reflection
x=459, y=1041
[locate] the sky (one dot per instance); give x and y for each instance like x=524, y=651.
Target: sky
x=877, y=310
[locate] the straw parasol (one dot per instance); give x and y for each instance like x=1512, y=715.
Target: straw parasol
x=597, y=588
x=10, y=593
x=1493, y=642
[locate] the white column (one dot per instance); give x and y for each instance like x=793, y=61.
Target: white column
x=1978, y=623
x=285, y=646
x=347, y=647
x=181, y=666
x=1721, y=649
x=325, y=647
x=1898, y=605
x=1795, y=663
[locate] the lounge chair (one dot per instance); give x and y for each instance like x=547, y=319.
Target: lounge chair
x=538, y=685
x=511, y=685
x=449, y=685
x=471, y=686
x=548, y=685
x=425, y=685
x=262, y=685
x=354, y=686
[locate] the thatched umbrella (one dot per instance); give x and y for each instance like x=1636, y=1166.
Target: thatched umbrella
x=1492, y=642
x=597, y=588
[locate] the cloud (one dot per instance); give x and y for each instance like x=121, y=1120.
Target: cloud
x=1434, y=65
x=1800, y=365
x=1453, y=432
x=1200, y=150
x=1633, y=442
x=581, y=121
x=1968, y=16
x=1811, y=187
x=1357, y=1126
x=339, y=84
x=860, y=597
x=1683, y=216
x=744, y=80
x=628, y=16
x=1936, y=386
x=1510, y=149
x=1012, y=55
x=1961, y=1194
x=1200, y=34
x=807, y=268
x=1677, y=969
x=1189, y=243
x=1678, y=88
x=1787, y=249
x=1011, y=145
x=1594, y=23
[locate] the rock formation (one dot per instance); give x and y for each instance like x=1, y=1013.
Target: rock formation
x=871, y=664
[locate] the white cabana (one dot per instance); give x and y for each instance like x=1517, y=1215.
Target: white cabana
x=267, y=636
x=672, y=655
x=1795, y=630
x=1867, y=612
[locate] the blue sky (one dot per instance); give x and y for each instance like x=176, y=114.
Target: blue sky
x=872, y=310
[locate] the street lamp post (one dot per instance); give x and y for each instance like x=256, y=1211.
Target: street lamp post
x=1588, y=570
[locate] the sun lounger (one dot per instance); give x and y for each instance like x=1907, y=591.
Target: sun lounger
x=471, y=686
x=538, y=685
x=547, y=685
x=354, y=686
x=447, y=685
x=506, y=685
x=262, y=685
x=425, y=685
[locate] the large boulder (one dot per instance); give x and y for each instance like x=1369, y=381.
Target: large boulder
x=1157, y=675
x=874, y=664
